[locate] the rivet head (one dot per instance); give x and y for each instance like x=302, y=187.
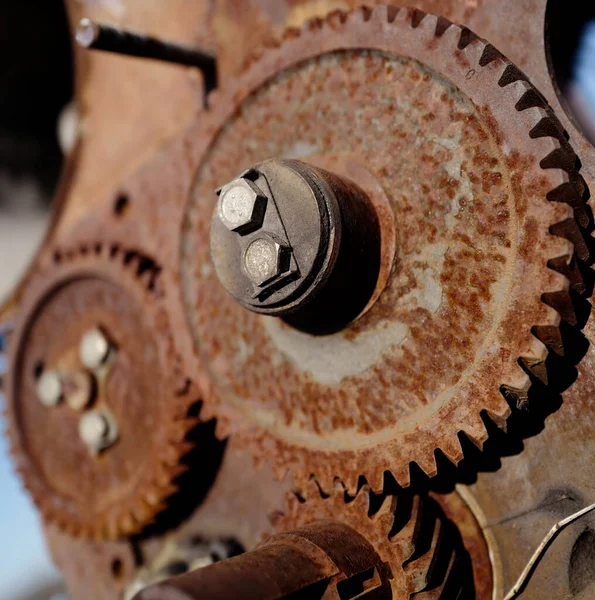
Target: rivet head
x=97, y=430
x=242, y=206
x=94, y=349
x=50, y=388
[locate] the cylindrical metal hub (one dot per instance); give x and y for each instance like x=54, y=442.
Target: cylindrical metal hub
x=322, y=560
x=292, y=240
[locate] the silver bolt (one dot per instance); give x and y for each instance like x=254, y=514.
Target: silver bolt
x=94, y=349
x=262, y=260
x=78, y=390
x=49, y=388
x=98, y=430
x=242, y=206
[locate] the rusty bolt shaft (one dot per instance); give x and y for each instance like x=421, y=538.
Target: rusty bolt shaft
x=320, y=557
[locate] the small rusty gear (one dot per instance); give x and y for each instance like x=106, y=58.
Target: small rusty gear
x=489, y=212
x=119, y=490
x=411, y=534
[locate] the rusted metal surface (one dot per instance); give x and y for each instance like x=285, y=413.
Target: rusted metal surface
x=121, y=489
x=250, y=494
x=131, y=109
x=92, y=569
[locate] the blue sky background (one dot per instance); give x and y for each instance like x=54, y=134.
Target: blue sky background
x=24, y=561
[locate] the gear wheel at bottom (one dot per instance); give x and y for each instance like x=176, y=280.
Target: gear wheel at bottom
x=411, y=534
x=379, y=547
x=97, y=410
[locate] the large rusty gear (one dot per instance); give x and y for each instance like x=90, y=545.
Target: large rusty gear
x=412, y=535
x=488, y=209
x=122, y=489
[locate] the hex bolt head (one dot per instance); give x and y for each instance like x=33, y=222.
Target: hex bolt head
x=263, y=260
x=94, y=348
x=50, y=391
x=98, y=430
x=242, y=206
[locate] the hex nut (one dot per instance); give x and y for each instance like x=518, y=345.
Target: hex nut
x=263, y=260
x=242, y=206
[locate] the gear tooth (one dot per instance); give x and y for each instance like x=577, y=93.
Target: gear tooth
x=365, y=12
x=402, y=16
x=300, y=479
x=550, y=336
x=405, y=537
x=569, y=230
x=452, y=451
x=127, y=524
x=153, y=498
x=442, y=24
x=511, y=74
x=336, y=18
x=361, y=502
x=466, y=38
x=427, y=464
x=561, y=302
x=402, y=475
x=338, y=488
x=418, y=572
x=222, y=431
x=142, y=512
x=535, y=368
x=475, y=432
x=293, y=503
x=560, y=157
x=388, y=13
x=499, y=419
x=489, y=54
x=280, y=471
x=416, y=17
x=516, y=398
x=376, y=481
x=548, y=127
x=386, y=513
x=568, y=193
x=312, y=489
x=351, y=483
x=531, y=98
x=427, y=25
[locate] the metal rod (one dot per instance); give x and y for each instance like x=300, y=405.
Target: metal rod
x=525, y=576
x=97, y=36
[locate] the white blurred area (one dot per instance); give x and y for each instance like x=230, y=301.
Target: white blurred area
x=26, y=571
x=23, y=221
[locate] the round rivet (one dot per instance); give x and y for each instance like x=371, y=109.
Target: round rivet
x=49, y=388
x=94, y=349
